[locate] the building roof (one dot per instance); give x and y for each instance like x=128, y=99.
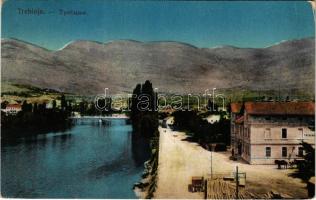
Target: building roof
x=235, y=107
x=240, y=120
x=17, y=106
x=280, y=108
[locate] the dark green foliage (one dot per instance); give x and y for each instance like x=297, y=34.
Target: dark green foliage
x=54, y=104
x=145, y=125
x=34, y=119
x=153, y=162
x=4, y=104
x=143, y=113
x=162, y=115
x=242, y=109
x=228, y=108
x=26, y=107
x=201, y=130
x=89, y=108
x=307, y=168
x=212, y=106
x=63, y=102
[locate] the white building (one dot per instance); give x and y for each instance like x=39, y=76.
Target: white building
x=262, y=132
x=12, y=109
x=213, y=118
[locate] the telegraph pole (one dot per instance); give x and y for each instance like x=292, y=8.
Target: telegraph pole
x=313, y=5
x=212, y=161
x=237, y=182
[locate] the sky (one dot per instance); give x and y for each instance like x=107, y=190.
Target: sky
x=202, y=24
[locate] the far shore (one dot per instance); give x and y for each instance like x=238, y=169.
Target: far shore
x=113, y=116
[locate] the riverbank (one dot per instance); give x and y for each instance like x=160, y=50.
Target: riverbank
x=146, y=187
x=113, y=116
x=179, y=160
x=16, y=132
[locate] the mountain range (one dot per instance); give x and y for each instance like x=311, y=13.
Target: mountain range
x=87, y=67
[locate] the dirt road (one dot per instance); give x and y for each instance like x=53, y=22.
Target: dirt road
x=180, y=160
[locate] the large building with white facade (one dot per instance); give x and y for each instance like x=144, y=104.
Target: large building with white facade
x=262, y=132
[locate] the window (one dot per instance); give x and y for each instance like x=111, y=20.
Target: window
x=245, y=149
x=300, y=151
x=267, y=133
x=268, y=151
x=249, y=150
x=301, y=132
x=284, y=133
x=284, y=152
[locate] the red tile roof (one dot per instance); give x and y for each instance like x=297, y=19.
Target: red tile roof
x=235, y=107
x=18, y=106
x=280, y=108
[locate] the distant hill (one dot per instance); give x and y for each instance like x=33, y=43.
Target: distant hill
x=86, y=67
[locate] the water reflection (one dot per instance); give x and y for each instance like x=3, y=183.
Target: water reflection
x=138, y=145
x=91, y=160
x=94, y=121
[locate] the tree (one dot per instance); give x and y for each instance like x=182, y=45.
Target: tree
x=4, y=104
x=26, y=107
x=134, y=101
x=63, y=102
x=35, y=108
x=54, y=104
x=145, y=122
x=242, y=109
x=200, y=129
x=82, y=107
x=308, y=167
x=147, y=89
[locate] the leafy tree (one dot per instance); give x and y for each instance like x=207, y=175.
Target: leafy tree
x=26, y=107
x=34, y=120
x=54, y=104
x=63, y=102
x=35, y=108
x=4, y=104
x=145, y=122
x=308, y=167
x=82, y=107
x=136, y=93
x=200, y=129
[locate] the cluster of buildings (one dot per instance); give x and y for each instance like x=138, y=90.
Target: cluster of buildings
x=262, y=132
x=13, y=107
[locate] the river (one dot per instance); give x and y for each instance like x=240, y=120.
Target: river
x=91, y=160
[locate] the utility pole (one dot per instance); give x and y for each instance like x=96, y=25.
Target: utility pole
x=279, y=83
x=237, y=182
x=211, y=161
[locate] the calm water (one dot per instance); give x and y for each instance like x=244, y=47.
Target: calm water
x=89, y=161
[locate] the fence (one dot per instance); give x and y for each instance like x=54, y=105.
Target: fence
x=225, y=186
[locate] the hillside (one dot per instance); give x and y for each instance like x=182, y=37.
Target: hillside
x=86, y=67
